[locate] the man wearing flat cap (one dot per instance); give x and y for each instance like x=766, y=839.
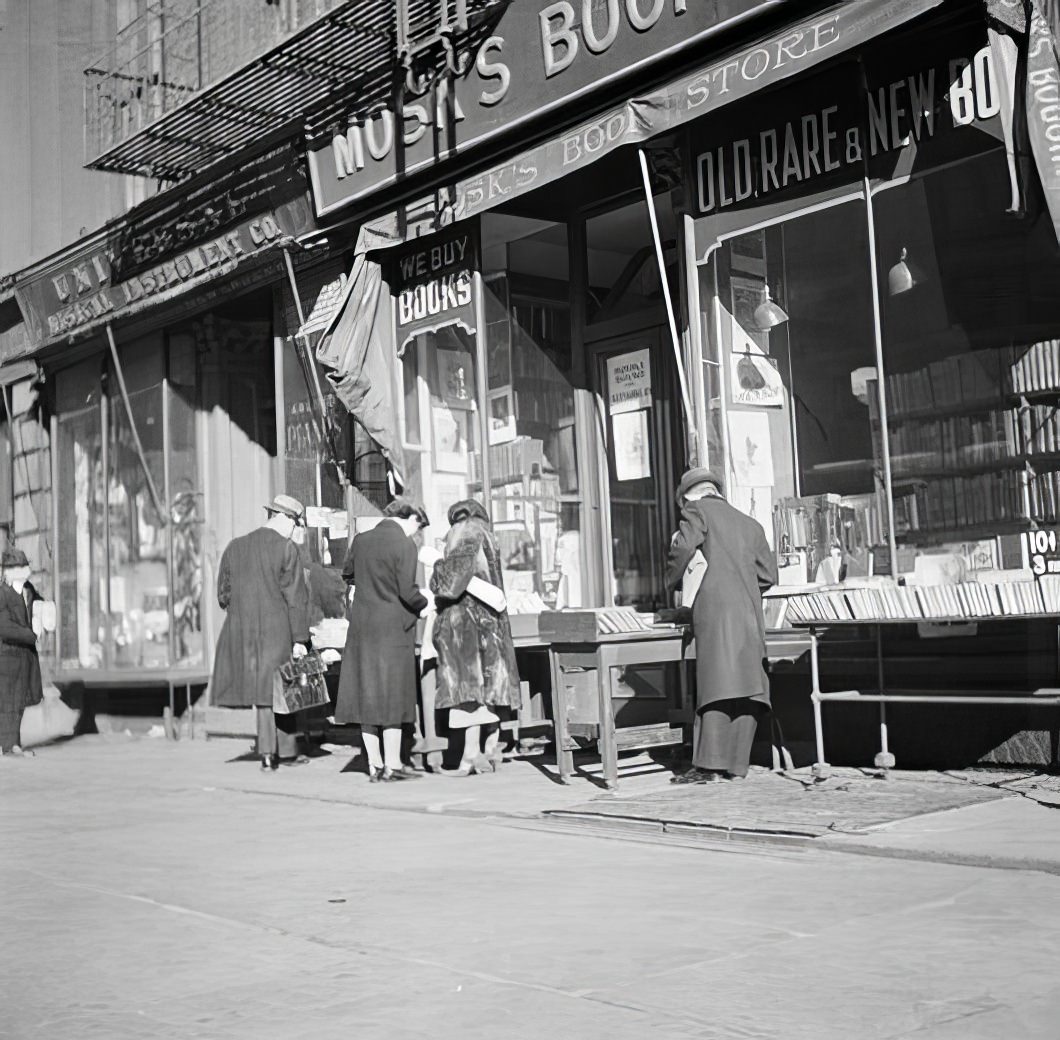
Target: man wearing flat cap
x=20, y=681
x=732, y=687
x=261, y=585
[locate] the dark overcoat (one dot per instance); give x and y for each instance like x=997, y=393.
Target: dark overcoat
x=20, y=681
x=727, y=614
x=377, y=685
x=476, y=658
x=262, y=586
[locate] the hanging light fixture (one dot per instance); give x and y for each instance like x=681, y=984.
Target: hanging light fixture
x=769, y=314
x=905, y=275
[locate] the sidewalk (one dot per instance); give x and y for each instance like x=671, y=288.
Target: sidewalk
x=990, y=818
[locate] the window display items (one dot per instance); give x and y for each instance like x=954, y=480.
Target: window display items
x=752, y=449
x=456, y=379
x=450, y=439
x=501, y=417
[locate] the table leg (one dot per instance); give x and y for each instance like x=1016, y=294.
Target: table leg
x=821, y=768
x=564, y=758
x=608, y=748
x=884, y=760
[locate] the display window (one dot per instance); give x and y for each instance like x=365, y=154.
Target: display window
x=881, y=335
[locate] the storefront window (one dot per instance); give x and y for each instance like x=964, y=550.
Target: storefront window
x=970, y=322
x=535, y=492
x=444, y=460
x=186, y=519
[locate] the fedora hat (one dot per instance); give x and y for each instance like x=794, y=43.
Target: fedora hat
x=288, y=506
x=698, y=475
x=14, y=558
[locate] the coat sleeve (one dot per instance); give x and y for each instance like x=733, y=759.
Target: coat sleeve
x=295, y=593
x=455, y=570
x=408, y=589
x=224, y=582
x=690, y=536
x=11, y=628
x=765, y=562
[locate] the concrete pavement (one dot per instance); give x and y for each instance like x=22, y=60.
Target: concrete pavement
x=141, y=897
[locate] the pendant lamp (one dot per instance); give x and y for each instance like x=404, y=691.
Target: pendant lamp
x=905, y=275
x=769, y=314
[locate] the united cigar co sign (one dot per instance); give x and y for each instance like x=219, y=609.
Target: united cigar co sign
x=915, y=111
x=435, y=284
x=529, y=60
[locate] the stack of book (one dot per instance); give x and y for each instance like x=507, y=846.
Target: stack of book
x=1035, y=368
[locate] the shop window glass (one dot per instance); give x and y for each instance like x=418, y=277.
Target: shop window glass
x=621, y=266
x=533, y=451
x=80, y=558
x=186, y=530
x=446, y=464
x=139, y=585
x=794, y=318
x=971, y=324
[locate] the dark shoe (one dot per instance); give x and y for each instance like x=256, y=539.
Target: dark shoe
x=404, y=773
x=268, y=762
x=692, y=776
x=374, y=775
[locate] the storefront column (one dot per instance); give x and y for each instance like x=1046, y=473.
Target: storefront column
x=693, y=347
x=481, y=361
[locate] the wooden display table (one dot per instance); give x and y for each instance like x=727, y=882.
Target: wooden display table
x=884, y=696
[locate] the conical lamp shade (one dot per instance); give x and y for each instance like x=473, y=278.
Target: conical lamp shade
x=903, y=276
x=769, y=314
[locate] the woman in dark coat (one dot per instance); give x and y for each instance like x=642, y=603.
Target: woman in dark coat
x=261, y=585
x=377, y=684
x=473, y=636
x=732, y=686
x=20, y=681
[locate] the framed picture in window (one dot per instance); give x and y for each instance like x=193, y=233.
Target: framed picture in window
x=501, y=412
x=450, y=438
x=456, y=379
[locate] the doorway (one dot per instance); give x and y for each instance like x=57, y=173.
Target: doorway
x=634, y=383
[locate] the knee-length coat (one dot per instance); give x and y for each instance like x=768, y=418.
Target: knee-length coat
x=262, y=586
x=476, y=657
x=20, y=681
x=377, y=684
x=727, y=614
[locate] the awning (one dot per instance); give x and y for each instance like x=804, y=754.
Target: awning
x=325, y=308
x=735, y=75
x=16, y=371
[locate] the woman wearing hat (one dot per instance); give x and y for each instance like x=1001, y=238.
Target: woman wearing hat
x=477, y=672
x=262, y=587
x=377, y=684
x=20, y=681
x=732, y=687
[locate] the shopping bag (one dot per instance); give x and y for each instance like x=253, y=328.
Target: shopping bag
x=299, y=684
x=693, y=578
x=51, y=719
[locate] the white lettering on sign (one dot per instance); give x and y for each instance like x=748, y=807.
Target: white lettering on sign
x=434, y=297
x=817, y=143
x=563, y=33
x=629, y=381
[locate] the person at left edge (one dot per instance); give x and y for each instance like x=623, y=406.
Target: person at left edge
x=261, y=584
x=20, y=681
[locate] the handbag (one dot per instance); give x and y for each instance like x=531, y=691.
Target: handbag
x=299, y=684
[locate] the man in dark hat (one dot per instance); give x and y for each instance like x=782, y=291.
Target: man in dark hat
x=261, y=584
x=20, y=680
x=732, y=687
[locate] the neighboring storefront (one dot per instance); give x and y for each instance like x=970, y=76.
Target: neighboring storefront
x=179, y=405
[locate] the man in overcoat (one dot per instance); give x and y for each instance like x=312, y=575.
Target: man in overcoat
x=261, y=584
x=732, y=686
x=20, y=679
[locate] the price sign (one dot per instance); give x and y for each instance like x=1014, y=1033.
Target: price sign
x=1043, y=549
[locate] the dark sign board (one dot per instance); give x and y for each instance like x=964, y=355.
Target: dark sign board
x=889, y=111
x=526, y=60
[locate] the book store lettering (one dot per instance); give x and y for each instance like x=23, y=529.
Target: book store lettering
x=437, y=281
x=913, y=109
x=1042, y=548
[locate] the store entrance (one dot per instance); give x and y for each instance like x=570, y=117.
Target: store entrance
x=634, y=382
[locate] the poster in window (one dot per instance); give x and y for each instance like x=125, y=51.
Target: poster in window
x=450, y=438
x=499, y=354
x=456, y=379
x=753, y=376
x=501, y=417
x=757, y=503
x=629, y=381
x=752, y=449
x=632, y=448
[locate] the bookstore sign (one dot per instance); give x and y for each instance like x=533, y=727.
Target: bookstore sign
x=1043, y=551
x=434, y=284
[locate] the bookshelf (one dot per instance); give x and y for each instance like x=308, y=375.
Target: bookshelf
x=974, y=441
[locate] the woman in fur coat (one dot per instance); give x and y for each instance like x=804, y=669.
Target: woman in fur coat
x=477, y=672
